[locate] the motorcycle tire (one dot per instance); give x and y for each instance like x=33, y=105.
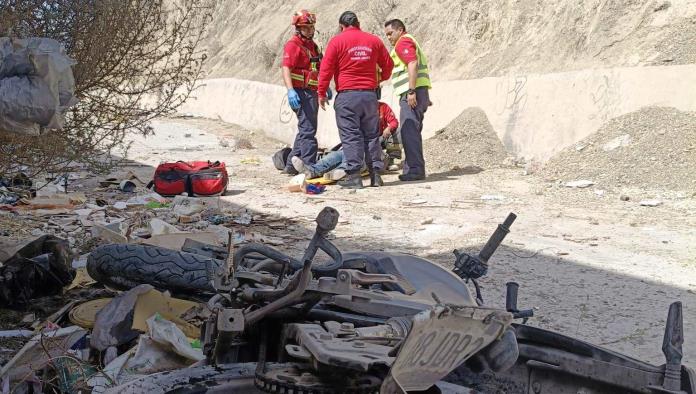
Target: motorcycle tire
x=123, y=267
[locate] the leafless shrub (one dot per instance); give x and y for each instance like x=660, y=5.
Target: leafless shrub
x=136, y=60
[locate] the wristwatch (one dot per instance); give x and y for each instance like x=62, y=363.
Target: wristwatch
x=411, y=91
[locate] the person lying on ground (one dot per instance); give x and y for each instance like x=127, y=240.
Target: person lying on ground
x=335, y=160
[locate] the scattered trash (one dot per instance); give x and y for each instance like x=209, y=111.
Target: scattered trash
x=252, y=161
x=218, y=219
x=243, y=219
x=16, y=334
x=73, y=374
x=120, y=205
x=8, y=197
x=40, y=351
x=151, y=200
x=417, y=201
x=110, y=232
x=150, y=357
x=126, y=186
x=83, y=212
x=581, y=184
x=37, y=268
x=166, y=332
x=651, y=203
x=82, y=279
x=160, y=227
x=112, y=374
x=189, y=219
x=314, y=188
x=154, y=302
x=187, y=206
x=599, y=192
x=176, y=241
x=492, y=197
x=54, y=201
x=297, y=183
x=113, y=322
x=85, y=314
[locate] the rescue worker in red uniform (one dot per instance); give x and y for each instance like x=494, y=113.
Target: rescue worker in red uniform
x=358, y=62
x=389, y=134
x=301, y=61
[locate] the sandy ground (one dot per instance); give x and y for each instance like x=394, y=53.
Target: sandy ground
x=591, y=265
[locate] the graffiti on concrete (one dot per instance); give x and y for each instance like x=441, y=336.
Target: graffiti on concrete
x=511, y=97
x=605, y=98
x=511, y=94
x=285, y=112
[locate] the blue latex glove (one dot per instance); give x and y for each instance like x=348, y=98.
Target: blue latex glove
x=293, y=99
x=329, y=93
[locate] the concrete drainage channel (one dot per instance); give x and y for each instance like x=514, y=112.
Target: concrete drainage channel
x=534, y=115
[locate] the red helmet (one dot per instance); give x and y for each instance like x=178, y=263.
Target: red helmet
x=304, y=18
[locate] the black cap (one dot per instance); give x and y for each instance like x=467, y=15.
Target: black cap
x=348, y=18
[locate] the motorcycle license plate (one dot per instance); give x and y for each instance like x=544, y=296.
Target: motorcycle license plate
x=441, y=339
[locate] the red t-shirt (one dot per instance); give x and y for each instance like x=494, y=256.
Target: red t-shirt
x=387, y=118
x=352, y=58
x=296, y=56
x=406, y=50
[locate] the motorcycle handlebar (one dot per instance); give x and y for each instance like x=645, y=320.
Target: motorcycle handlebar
x=497, y=238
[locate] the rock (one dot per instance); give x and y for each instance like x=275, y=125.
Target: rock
x=650, y=203
x=580, y=184
x=624, y=198
x=620, y=141
x=187, y=135
x=427, y=221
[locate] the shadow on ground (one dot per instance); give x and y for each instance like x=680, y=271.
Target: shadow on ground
x=562, y=301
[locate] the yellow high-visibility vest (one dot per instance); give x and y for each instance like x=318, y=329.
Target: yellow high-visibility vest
x=399, y=76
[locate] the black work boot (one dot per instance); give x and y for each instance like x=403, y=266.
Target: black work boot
x=351, y=181
x=290, y=171
x=376, y=180
x=411, y=177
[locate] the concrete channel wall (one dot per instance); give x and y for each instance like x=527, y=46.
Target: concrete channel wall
x=534, y=115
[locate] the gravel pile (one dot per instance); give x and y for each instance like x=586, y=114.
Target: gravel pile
x=469, y=140
x=653, y=148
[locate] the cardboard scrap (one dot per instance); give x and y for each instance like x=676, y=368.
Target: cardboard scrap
x=176, y=241
x=153, y=302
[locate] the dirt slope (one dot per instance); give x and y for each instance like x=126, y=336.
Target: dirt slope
x=470, y=39
x=654, y=148
x=469, y=140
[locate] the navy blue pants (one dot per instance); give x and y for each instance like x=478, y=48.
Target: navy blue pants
x=357, y=118
x=305, y=145
x=411, y=128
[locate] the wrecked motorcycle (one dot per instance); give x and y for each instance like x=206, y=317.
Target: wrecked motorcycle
x=371, y=322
